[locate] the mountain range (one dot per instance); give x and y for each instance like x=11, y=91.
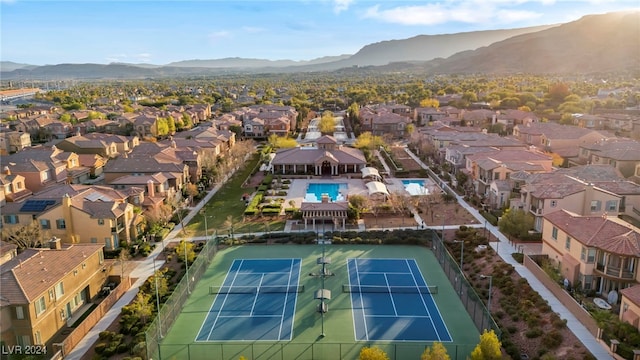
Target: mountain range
x=592, y=44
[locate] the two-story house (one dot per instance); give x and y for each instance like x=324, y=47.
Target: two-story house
x=486, y=167
x=14, y=141
x=598, y=253
x=77, y=214
x=12, y=187
x=45, y=290
x=590, y=190
x=622, y=154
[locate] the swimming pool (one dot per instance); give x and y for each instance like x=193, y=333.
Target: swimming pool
x=336, y=191
x=415, y=187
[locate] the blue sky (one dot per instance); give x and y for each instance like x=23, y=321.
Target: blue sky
x=162, y=31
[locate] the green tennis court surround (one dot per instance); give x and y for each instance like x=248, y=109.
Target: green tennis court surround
x=432, y=289
x=255, y=289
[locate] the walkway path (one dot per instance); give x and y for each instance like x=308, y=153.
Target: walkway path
x=504, y=248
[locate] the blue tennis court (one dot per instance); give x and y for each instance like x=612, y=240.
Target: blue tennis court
x=256, y=301
x=391, y=301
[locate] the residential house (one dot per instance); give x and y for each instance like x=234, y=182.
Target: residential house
x=589, y=190
x=485, y=167
x=622, y=154
x=156, y=186
x=42, y=166
x=82, y=145
x=326, y=158
x=7, y=252
x=425, y=115
x=45, y=290
x=598, y=253
x=14, y=141
x=630, y=305
x=478, y=118
x=562, y=140
x=381, y=122
x=77, y=214
x=12, y=187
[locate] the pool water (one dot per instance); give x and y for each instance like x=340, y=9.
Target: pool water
x=415, y=187
x=315, y=191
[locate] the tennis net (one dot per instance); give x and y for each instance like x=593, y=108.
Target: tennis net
x=255, y=289
x=390, y=289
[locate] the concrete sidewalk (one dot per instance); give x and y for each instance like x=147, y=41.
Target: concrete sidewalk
x=504, y=248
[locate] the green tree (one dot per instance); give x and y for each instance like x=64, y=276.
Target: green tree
x=366, y=140
x=65, y=118
x=327, y=124
x=436, y=352
x=162, y=127
x=488, y=348
x=163, y=284
x=185, y=248
x=516, y=223
x=372, y=353
x=434, y=103
x=140, y=307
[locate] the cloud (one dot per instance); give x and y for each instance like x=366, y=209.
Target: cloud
x=126, y=58
x=470, y=12
x=217, y=35
x=341, y=5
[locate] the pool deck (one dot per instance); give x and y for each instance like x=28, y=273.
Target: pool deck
x=298, y=187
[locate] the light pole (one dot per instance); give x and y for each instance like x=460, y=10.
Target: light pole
x=186, y=263
x=490, y=285
x=206, y=229
x=155, y=275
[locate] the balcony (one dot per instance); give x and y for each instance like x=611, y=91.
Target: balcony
x=615, y=272
x=536, y=210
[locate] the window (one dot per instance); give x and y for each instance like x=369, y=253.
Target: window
x=554, y=233
x=101, y=256
x=554, y=203
x=595, y=205
x=100, y=221
x=11, y=219
x=45, y=224
x=61, y=224
x=59, y=290
x=612, y=205
x=567, y=243
x=38, y=338
x=52, y=295
x=19, y=313
x=583, y=254
x=94, y=240
x=591, y=256
x=41, y=306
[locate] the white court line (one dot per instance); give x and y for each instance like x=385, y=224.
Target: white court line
x=364, y=318
x=423, y=302
x=249, y=316
x=255, y=299
x=393, y=303
x=402, y=316
x=223, y=302
x=284, y=306
x=211, y=307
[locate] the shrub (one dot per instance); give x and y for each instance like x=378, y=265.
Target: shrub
x=552, y=339
x=533, y=333
x=99, y=349
x=122, y=348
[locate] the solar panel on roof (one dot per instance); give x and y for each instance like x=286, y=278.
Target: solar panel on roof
x=36, y=205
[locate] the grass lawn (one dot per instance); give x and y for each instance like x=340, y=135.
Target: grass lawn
x=228, y=202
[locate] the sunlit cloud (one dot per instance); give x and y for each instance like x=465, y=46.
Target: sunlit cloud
x=217, y=35
x=126, y=58
x=341, y=5
x=470, y=12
